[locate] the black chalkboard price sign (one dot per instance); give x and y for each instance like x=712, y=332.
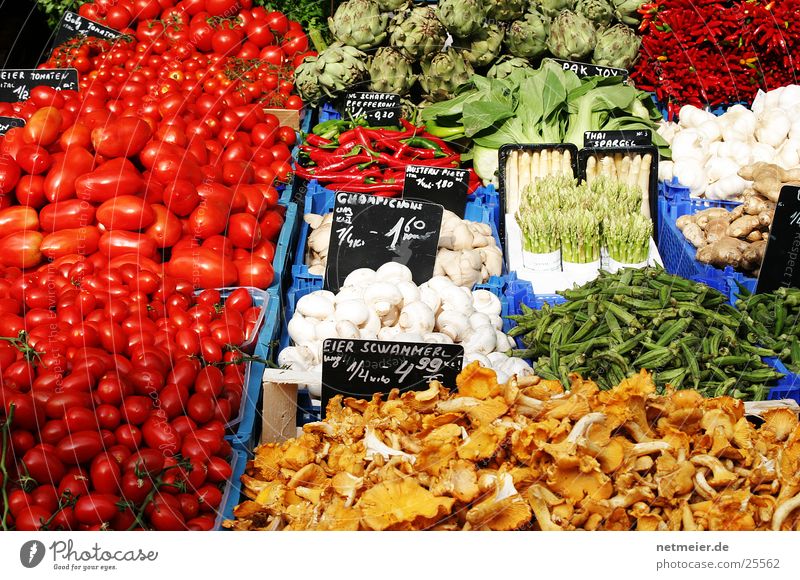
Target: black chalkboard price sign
x=781, y=265
x=585, y=69
x=16, y=84
x=617, y=139
x=361, y=368
x=8, y=123
x=442, y=185
x=74, y=25
x=369, y=231
x=379, y=109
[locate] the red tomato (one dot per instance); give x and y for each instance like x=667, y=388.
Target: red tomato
x=68, y=214
x=43, y=465
x=96, y=508
x=105, y=474
x=278, y=23
x=159, y=435
x=208, y=219
x=123, y=137
x=21, y=249
x=44, y=126
x=227, y=41
x=166, y=230
x=244, y=231
x=181, y=197
x=203, y=267
x=18, y=218
x=125, y=212
x=32, y=518
x=255, y=272
x=116, y=243
x=83, y=241
x=34, y=159
x=113, y=178
x=60, y=183
x=79, y=447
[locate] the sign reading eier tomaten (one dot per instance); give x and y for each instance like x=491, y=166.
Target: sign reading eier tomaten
x=361, y=368
x=584, y=69
x=16, y=84
x=369, y=231
x=74, y=25
x=781, y=265
x=444, y=185
x=379, y=109
x=8, y=123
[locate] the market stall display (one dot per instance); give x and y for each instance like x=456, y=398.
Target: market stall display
x=472, y=298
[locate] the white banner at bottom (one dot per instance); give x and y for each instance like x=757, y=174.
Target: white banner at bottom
x=406, y=555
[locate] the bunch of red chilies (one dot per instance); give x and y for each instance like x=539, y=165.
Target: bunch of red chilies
x=348, y=156
x=712, y=52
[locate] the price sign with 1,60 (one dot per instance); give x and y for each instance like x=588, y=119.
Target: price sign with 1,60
x=369, y=231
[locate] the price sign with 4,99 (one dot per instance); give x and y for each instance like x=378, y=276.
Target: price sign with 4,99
x=379, y=109
x=361, y=368
x=369, y=231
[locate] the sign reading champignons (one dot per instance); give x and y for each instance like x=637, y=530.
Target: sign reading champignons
x=369, y=231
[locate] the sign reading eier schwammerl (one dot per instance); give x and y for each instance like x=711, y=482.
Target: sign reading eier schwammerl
x=361, y=368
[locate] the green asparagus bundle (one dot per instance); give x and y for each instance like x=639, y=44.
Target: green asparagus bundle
x=580, y=236
x=540, y=231
x=627, y=237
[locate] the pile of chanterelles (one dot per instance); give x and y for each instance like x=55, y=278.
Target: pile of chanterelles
x=527, y=455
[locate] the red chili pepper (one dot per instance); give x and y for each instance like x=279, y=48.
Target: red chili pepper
x=317, y=141
x=389, y=189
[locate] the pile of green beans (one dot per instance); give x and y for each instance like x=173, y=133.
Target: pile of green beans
x=776, y=318
x=682, y=331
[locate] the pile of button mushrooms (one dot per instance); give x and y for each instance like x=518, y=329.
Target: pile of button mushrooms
x=528, y=455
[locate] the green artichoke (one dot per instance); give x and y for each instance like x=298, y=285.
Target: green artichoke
x=462, y=18
x=306, y=80
x=626, y=11
x=443, y=74
x=572, y=36
x=391, y=72
x=598, y=11
x=336, y=70
x=507, y=10
x=507, y=65
x=551, y=8
x=359, y=23
x=485, y=46
x=418, y=35
x=617, y=46
x=527, y=38
x=391, y=5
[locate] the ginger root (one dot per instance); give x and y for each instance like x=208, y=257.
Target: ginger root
x=754, y=255
x=768, y=178
x=684, y=221
x=695, y=235
x=717, y=229
x=725, y=252
x=742, y=227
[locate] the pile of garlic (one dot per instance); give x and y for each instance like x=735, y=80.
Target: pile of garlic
x=387, y=305
x=468, y=253
x=709, y=151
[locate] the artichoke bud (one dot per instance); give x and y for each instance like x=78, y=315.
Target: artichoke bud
x=340, y=68
x=391, y=72
x=617, y=47
x=485, y=46
x=462, y=18
x=359, y=23
x=306, y=81
x=507, y=10
x=443, y=73
x=598, y=11
x=572, y=36
x=418, y=34
x=626, y=11
x=527, y=38
x=551, y=8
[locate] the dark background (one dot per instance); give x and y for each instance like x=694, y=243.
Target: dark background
x=23, y=34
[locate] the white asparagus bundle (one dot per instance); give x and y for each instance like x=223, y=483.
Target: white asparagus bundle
x=631, y=169
x=524, y=167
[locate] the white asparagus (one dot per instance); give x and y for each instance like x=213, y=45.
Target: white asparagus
x=544, y=160
x=606, y=167
x=524, y=174
x=566, y=163
x=618, y=165
x=625, y=169
x=555, y=162
x=644, y=182
x=591, y=169
x=536, y=171
x=633, y=176
x=512, y=180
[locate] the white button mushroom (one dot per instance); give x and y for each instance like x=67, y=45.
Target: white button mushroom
x=409, y=290
x=315, y=305
x=346, y=329
x=354, y=311
x=383, y=298
x=437, y=338
x=361, y=277
x=417, y=317
x=453, y=323
x=482, y=339
x=393, y=272
x=301, y=329
x=486, y=302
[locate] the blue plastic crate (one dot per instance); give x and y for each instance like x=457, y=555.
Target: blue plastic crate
x=282, y=262
x=716, y=110
x=233, y=489
x=676, y=251
x=327, y=112
x=244, y=437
